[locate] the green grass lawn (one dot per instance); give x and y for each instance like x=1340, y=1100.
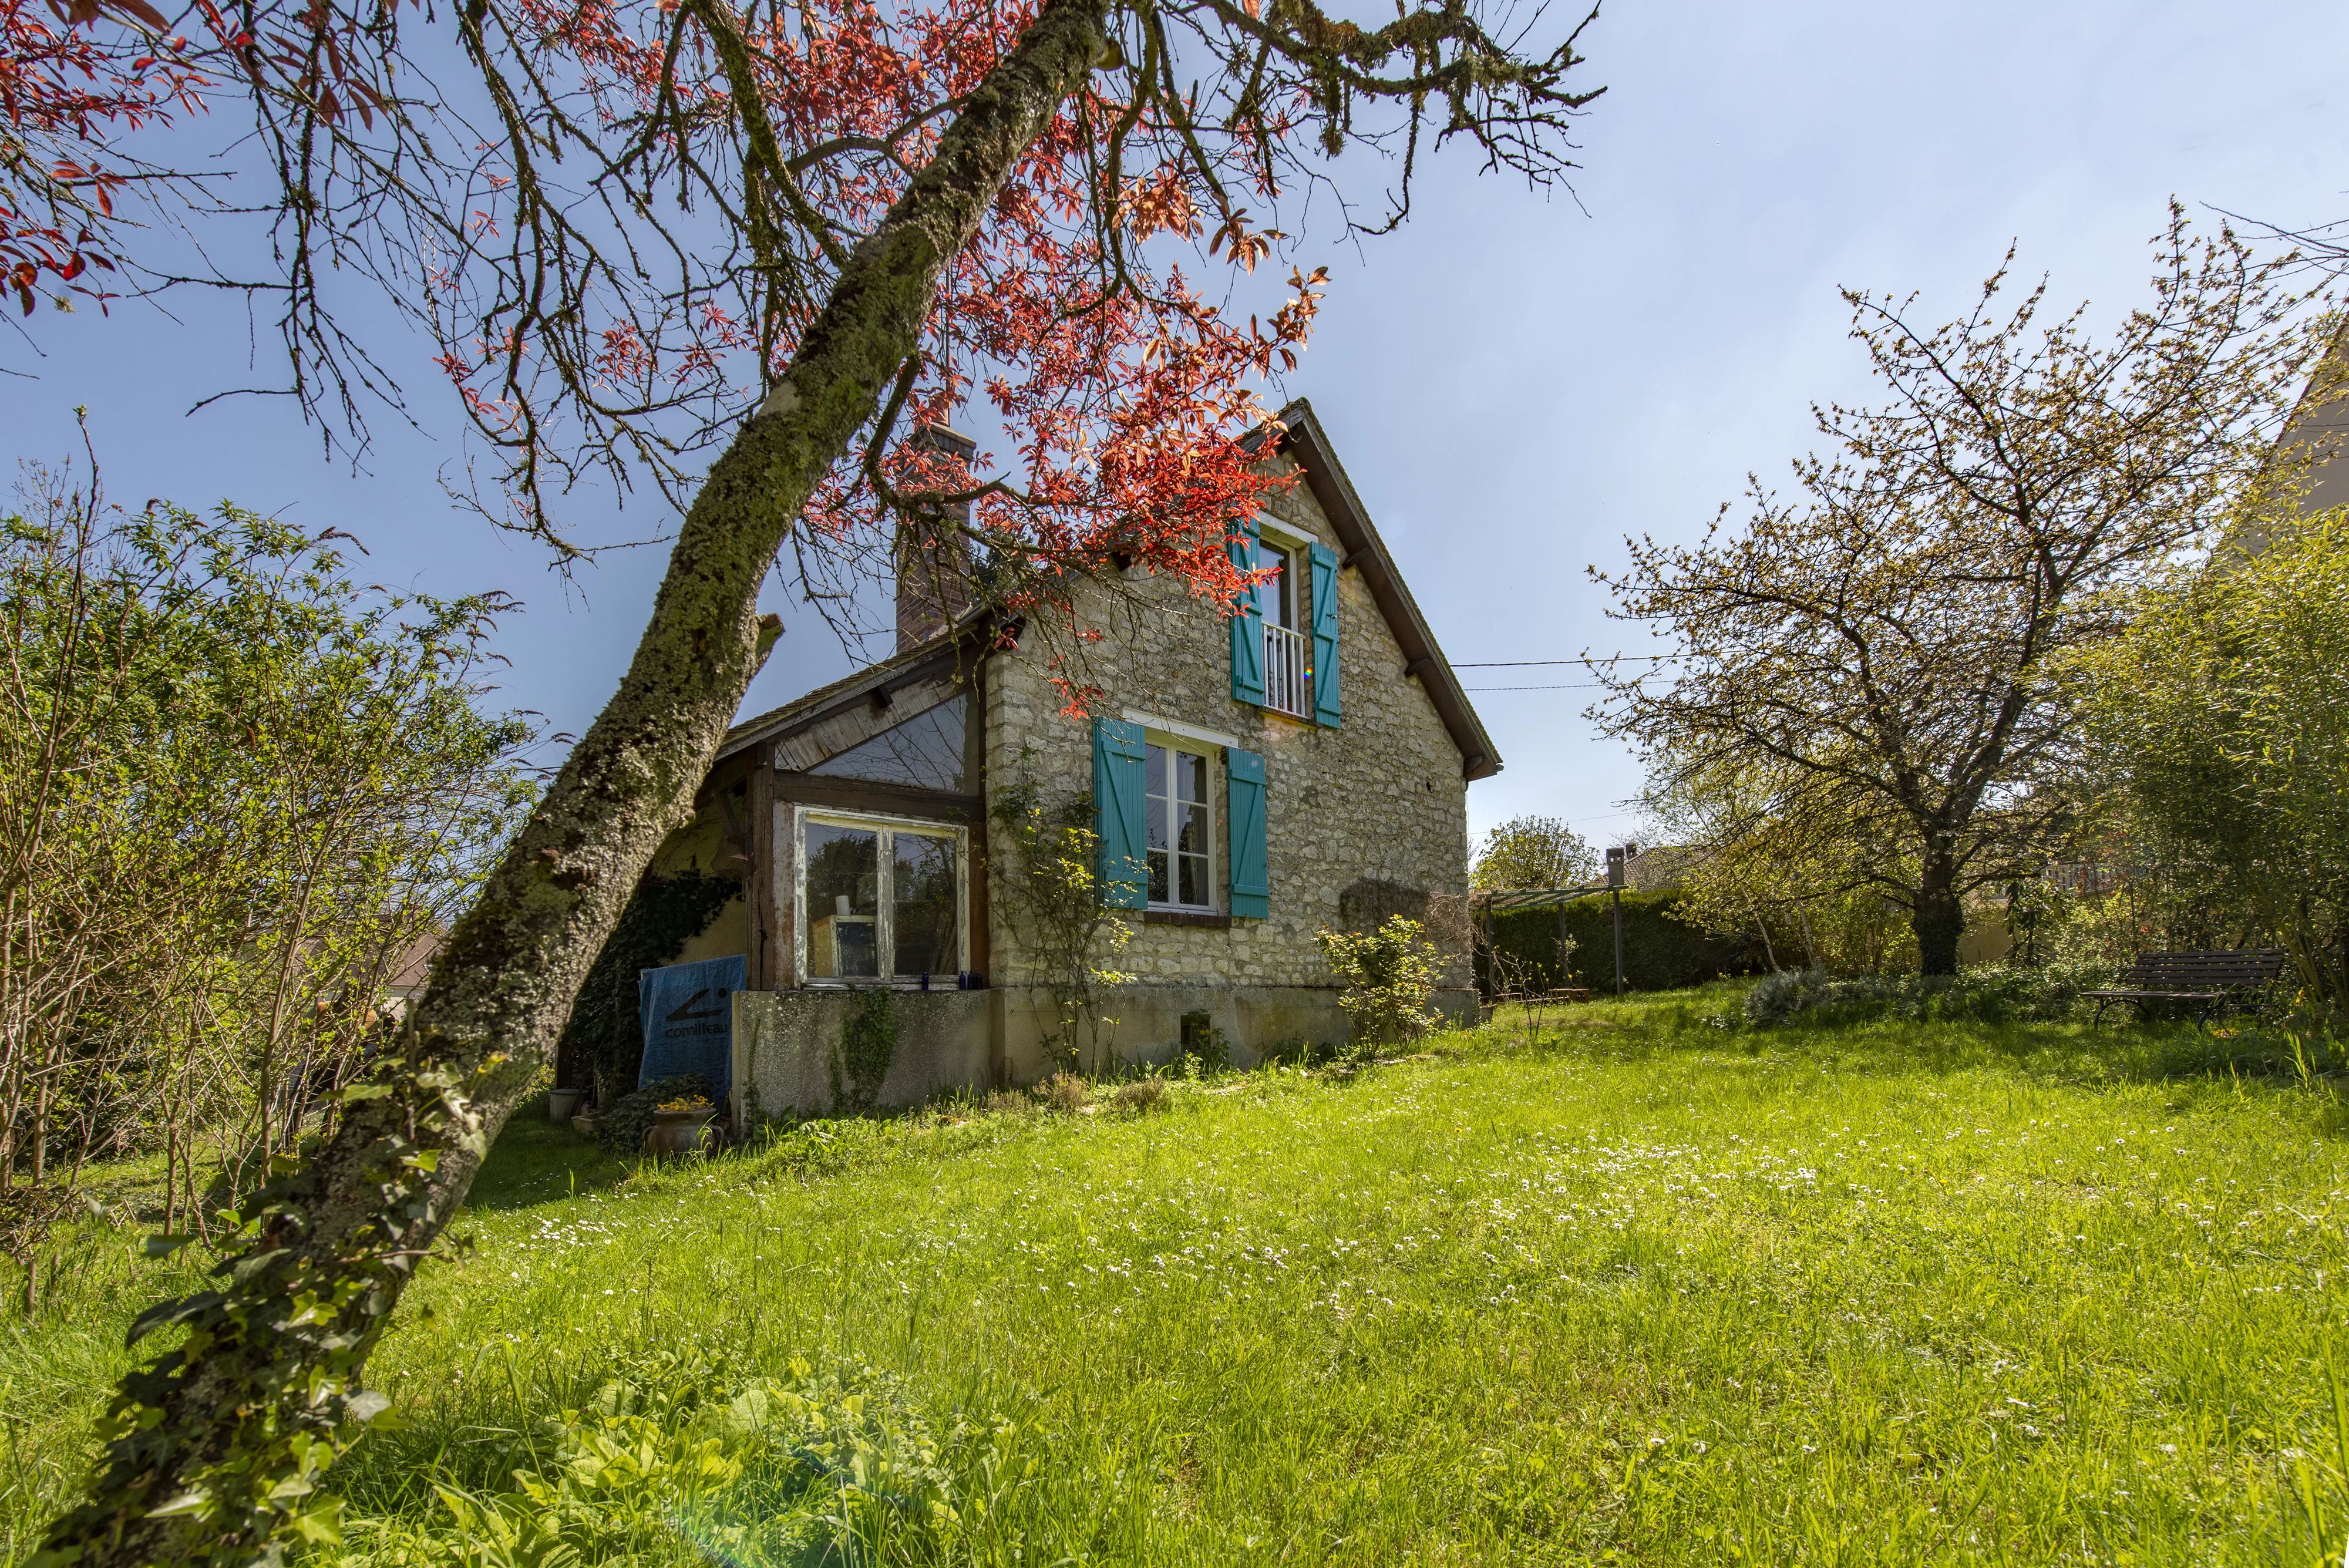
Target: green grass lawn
x=1660, y=1290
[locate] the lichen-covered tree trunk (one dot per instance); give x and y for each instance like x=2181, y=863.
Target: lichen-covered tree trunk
x=216, y=1447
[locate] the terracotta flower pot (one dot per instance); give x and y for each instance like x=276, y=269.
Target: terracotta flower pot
x=680, y=1132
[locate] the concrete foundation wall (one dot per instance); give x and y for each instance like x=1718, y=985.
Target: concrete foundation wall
x=786, y=1043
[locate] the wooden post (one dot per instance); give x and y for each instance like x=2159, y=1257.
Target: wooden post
x=1615, y=865
x=1619, y=940
x=782, y=884
x=763, y=964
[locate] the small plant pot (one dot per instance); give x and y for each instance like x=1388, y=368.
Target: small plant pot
x=585, y=1124
x=680, y=1132
x=562, y=1104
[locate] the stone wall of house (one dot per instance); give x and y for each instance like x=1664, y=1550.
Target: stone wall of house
x=1363, y=820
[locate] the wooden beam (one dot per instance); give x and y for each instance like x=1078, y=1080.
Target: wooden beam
x=781, y=879
x=975, y=759
x=867, y=717
x=760, y=879
x=865, y=794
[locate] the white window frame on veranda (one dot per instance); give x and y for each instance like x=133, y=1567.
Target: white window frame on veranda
x=1173, y=743
x=884, y=939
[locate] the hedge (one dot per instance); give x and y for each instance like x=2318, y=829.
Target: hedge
x=1661, y=951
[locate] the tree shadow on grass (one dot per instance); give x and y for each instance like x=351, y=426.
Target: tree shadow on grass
x=535, y=1161
x=2240, y=1050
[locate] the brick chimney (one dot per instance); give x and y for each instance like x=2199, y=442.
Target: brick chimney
x=933, y=561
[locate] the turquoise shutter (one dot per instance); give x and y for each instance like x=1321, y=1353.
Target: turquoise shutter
x=1125, y=867
x=1247, y=624
x=1251, y=888
x=1325, y=636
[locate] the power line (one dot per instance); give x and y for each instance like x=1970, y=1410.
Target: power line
x=1528, y=663
x=1569, y=686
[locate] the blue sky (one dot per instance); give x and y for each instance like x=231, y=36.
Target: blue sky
x=1514, y=382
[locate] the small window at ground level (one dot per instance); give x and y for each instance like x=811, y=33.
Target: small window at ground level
x=880, y=900
x=1177, y=812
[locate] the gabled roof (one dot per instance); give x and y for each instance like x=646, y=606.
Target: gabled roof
x=1298, y=433
x=1308, y=443
x=904, y=669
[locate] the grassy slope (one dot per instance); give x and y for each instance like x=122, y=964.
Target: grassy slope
x=1663, y=1292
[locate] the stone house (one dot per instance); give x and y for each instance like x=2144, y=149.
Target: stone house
x=1250, y=779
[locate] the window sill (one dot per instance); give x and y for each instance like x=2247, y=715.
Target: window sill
x=1209, y=918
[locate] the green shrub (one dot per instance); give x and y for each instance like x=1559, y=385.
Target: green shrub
x=676, y=1461
x=1987, y=993
x=1389, y=980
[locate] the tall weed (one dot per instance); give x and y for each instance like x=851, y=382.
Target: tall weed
x=675, y=1461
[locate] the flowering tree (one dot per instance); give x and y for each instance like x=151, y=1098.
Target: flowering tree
x=740, y=254
x=1869, y=665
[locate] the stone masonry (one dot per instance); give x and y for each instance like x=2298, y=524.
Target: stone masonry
x=1370, y=816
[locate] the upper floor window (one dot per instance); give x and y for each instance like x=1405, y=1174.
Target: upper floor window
x=1284, y=628
x=1178, y=812
x=1277, y=598
x=1288, y=658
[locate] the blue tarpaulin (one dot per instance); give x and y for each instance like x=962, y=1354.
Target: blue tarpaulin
x=688, y=1016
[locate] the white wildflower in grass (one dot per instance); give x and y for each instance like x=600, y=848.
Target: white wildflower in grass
x=1549, y=1255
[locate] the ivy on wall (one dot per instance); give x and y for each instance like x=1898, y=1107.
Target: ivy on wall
x=868, y=1044
x=604, y=1037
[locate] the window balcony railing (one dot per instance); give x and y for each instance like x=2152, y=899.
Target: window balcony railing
x=1287, y=687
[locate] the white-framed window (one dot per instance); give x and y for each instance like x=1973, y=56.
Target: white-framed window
x=879, y=899
x=1283, y=601
x=1277, y=596
x=1179, y=810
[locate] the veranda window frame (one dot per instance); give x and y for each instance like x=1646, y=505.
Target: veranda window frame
x=885, y=919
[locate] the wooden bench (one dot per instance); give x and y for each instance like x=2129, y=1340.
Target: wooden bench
x=2208, y=981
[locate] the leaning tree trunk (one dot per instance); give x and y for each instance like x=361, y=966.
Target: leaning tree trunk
x=1937, y=917
x=216, y=1447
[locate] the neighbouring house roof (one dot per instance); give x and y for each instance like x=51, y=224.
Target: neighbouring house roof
x=1300, y=434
